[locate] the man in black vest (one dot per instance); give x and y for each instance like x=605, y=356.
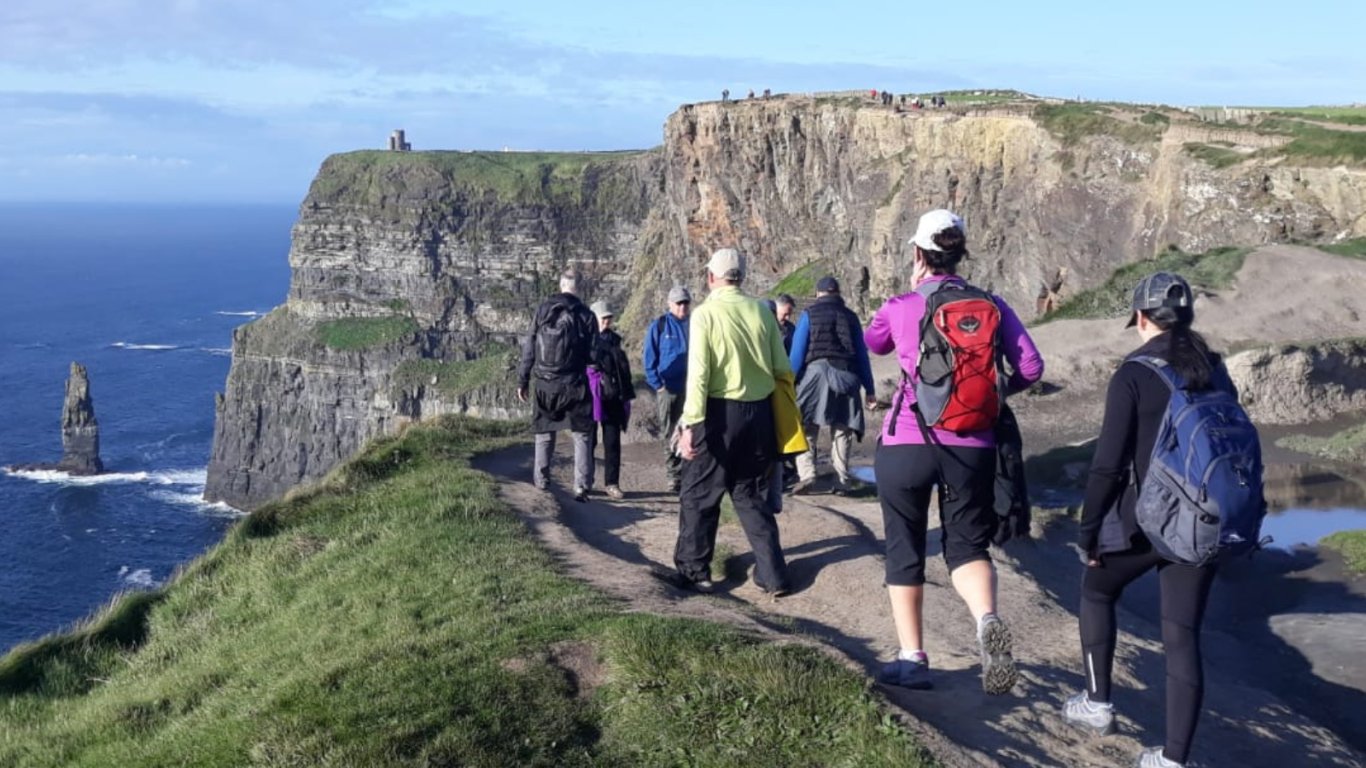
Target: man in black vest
x=558, y=351
x=831, y=363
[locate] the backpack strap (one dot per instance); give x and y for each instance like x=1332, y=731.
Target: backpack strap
x=1159, y=366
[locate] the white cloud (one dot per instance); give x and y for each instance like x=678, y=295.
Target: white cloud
x=107, y=160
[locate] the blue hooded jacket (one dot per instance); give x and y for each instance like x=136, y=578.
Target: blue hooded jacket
x=666, y=354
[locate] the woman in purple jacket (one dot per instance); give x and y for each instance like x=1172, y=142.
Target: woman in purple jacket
x=961, y=465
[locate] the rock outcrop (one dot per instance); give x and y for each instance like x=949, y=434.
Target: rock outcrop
x=80, y=430
x=1294, y=384
x=414, y=273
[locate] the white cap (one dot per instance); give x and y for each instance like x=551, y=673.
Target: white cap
x=601, y=309
x=727, y=264
x=933, y=223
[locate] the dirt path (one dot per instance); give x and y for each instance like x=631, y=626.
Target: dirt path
x=834, y=550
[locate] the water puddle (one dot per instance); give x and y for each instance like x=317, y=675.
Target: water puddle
x=1306, y=527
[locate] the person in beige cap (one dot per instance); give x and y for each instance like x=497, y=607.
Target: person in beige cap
x=666, y=370
x=728, y=440
x=609, y=379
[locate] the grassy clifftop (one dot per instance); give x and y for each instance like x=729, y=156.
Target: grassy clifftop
x=397, y=614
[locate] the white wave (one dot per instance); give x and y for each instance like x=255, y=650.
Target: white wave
x=160, y=477
x=195, y=499
x=144, y=347
x=217, y=351
x=247, y=313
x=140, y=578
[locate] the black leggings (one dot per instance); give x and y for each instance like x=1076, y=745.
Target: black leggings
x=611, y=452
x=1184, y=592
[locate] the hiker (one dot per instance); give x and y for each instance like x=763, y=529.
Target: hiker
x=831, y=365
x=725, y=95
x=768, y=93
x=666, y=370
x=557, y=352
x=786, y=306
x=609, y=379
x=1112, y=538
x=939, y=433
x=729, y=440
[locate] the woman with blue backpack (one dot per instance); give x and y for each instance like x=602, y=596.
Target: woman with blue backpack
x=940, y=433
x=1176, y=472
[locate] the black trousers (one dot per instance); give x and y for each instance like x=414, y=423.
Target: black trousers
x=736, y=447
x=1184, y=594
x=611, y=452
x=965, y=477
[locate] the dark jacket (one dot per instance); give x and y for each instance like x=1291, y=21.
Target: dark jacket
x=788, y=328
x=830, y=331
x=611, y=361
x=561, y=402
x=1135, y=404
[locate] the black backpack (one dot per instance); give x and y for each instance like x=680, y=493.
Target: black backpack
x=559, y=341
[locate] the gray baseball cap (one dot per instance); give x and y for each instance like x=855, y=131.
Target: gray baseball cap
x=601, y=309
x=1160, y=289
x=679, y=294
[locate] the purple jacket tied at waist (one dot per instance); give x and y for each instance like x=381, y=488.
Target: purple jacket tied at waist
x=896, y=326
x=599, y=410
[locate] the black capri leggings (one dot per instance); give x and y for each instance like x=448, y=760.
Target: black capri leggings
x=906, y=474
x=1185, y=592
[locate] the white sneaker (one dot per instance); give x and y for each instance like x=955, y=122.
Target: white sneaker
x=1152, y=757
x=1089, y=715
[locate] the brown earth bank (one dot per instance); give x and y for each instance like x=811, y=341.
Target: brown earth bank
x=1266, y=702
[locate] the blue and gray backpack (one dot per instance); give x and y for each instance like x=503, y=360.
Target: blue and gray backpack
x=1202, y=495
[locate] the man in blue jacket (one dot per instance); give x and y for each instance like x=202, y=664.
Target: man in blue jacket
x=666, y=371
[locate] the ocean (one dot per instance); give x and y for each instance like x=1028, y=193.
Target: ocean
x=147, y=299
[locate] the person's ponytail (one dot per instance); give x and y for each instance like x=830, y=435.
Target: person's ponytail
x=1187, y=352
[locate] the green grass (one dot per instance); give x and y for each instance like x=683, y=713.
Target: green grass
x=398, y=615
x=1356, y=248
x=1073, y=122
x=1214, y=155
x=800, y=283
x=978, y=96
x=1352, y=545
x=351, y=333
x=457, y=377
x=1344, y=115
x=1348, y=445
x=1314, y=143
x=1155, y=118
x=1211, y=270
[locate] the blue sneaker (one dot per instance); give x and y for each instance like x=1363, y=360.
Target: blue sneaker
x=913, y=674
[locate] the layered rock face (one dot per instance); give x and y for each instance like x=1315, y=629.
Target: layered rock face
x=415, y=273
x=80, y=430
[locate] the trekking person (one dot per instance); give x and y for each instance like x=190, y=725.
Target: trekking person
x=786, y=307
x=609, y=379
x=557, y=353
x=729, y=440
x=666, y=370
x=1115, y=544
x=939, y=433
x=831, y=364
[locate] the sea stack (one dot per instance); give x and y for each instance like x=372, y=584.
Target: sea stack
x=80, y=430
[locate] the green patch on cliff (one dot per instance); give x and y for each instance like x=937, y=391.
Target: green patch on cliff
x=457, y=377
x=398, y=614
x=1355, y=248
x=1315, y=143
x=800, y=283
x=1211, y=270
x=1342, y=115
x=351, y=333
x=1215, y=155
x=1352, y=546
x=1348, y=445
x=1073, y=122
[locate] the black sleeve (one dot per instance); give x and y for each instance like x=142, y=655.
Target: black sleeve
x=528, y=353
x=1114, y=457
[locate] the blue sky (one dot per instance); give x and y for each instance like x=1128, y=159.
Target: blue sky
x=240, y=100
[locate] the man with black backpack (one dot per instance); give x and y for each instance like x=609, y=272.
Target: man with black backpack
x=557, y=353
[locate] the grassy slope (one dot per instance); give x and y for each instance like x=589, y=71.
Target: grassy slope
x=1212, y=269
x=398, y=615
x=1352, y=545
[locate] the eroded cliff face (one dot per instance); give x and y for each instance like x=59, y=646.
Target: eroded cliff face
x=415, y=273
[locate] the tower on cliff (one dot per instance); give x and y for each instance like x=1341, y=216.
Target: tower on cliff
x=397, y=142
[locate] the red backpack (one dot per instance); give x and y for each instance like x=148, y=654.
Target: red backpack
x=959, y=385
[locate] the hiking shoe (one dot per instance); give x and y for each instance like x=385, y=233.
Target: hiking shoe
x=770, y=591
x=675, y=485
x=580, y=494
x=907, y=673
x=1089, y=715
x=614, y=492
x=998, y=665
x=679, y=581
x=847, y=487
x=803, y=487
x=1152, y=757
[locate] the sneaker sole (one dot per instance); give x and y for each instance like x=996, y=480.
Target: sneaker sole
x=1109, y=729
x=998, y=665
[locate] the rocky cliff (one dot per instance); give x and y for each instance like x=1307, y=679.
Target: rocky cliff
x=80, y=429
x=414, y=273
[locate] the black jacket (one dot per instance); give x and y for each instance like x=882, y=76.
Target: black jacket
x=587, y=332
x=611, y=361
x=832, y=328
x=1135, y=403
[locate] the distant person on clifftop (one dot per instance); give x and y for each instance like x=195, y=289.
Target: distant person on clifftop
x=940, y=434
x=609, y=379
x=833, y=378
x=1116, y=548
x=666, y=371
x=729, y=440
x=557, y=353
